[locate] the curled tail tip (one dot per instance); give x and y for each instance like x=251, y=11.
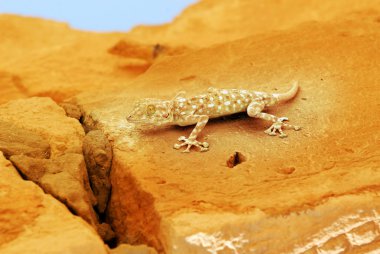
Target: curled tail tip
x=289, y=94
x=295, y=85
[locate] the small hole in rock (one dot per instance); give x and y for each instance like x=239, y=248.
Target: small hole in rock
x=235, y=159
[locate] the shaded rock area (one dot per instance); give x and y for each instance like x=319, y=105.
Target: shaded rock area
x=72, y=110
x=235, y=159
x=315, y=192
x=34, y=222
x=97, y=153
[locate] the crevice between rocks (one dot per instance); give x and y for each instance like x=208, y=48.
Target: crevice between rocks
x=83, y=181
x=97, y=153
x=131, y=214
x=78, y=180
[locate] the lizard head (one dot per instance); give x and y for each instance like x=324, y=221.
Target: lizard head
x=151, y=112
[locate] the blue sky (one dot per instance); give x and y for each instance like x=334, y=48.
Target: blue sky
x=99, y=15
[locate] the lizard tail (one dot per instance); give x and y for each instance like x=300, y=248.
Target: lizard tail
x=282, y=97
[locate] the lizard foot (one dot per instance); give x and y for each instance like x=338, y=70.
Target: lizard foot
x=277, y=127
x=202, y=145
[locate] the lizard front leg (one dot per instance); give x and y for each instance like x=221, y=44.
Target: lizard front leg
x=254, y=110
x=201, y=121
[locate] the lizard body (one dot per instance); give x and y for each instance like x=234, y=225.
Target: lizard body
x=214, y=103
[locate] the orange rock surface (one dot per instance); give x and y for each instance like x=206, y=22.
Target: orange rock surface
x=315, y=192
x=34, y=222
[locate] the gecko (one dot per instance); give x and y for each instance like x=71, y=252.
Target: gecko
x=214, y=103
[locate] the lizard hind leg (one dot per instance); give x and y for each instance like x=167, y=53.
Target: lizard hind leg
x=254, y=110
x=278, y=124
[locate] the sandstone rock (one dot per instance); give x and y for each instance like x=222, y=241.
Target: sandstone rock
x=65, y=178
x=46, y=119
x=49, y=72
x=34, y=222
x=129, y=249
x=182, y=203
x=39, y=51
x=211, y=22
x=97, y=153
x=64, y=175
x=11, y=87
x=15, y=140
x=106, y=232
x=329, y=226
x=146, y=53
x=71, y=109
x=316, y=192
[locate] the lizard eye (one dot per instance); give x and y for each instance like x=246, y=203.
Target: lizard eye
x=165, y=115
x=150, y=110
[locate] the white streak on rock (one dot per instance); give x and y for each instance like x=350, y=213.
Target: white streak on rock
x=214, y=243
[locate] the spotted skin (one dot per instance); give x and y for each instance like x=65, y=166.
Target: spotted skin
x=214, y=103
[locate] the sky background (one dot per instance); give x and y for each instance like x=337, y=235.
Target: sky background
x=99, y=15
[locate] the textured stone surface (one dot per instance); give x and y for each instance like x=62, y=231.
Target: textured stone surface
x=34, y=222
x=45, y=119
x=65, y=178
x=64, y=175
x=128, y=249
x=11, y=87
x=210, y=22
x=176, y=196
x=315, y=192
x=97, y=153
x=71, y=109
x=50, y=59
x=15, y=140
x=39, y=49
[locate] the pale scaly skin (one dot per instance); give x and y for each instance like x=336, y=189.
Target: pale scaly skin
x=214, y=103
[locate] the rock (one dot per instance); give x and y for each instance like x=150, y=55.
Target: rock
x=192, y=203
x=106, y=232
x=15, y=140
x=64, y=175
x=45, y=119
x=65, y=178
x=72, y=110
x=211, y=22
x=129, y=249
x=11, y=87
x=145, y=53
x=71, y=61
x=97, y=153
x=34, y=222
x=163, y=198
